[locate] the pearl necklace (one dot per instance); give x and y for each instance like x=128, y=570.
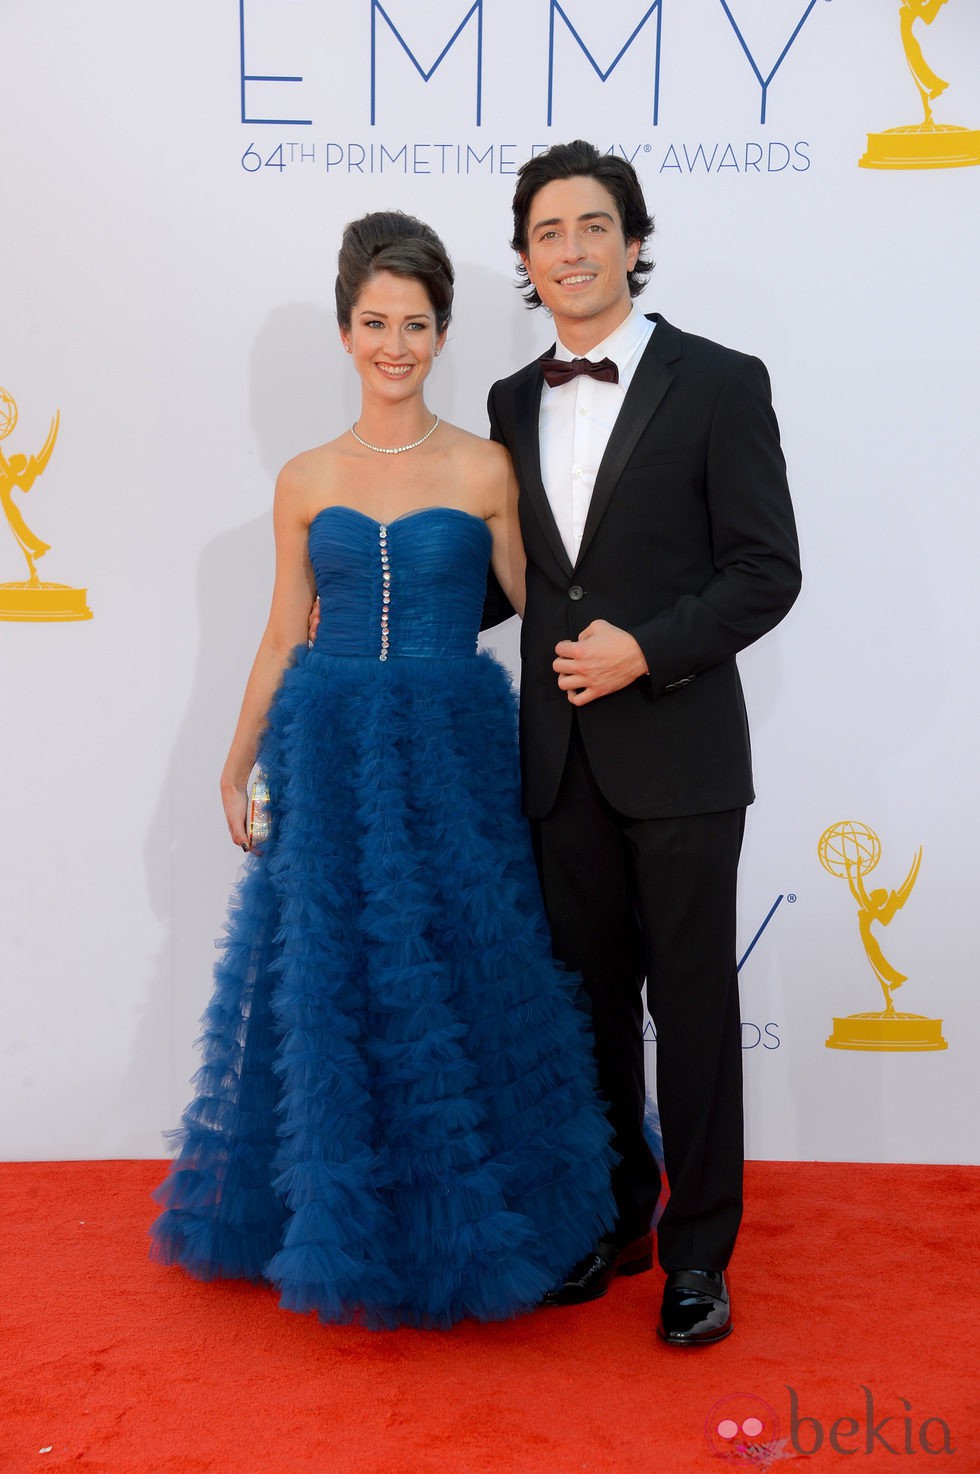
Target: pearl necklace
x=394, y=450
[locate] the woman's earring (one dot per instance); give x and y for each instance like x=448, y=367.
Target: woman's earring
x=438, y=351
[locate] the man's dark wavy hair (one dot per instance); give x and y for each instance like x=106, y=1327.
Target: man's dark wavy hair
x=572, y=161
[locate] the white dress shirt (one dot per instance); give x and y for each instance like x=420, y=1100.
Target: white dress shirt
x=576, y=421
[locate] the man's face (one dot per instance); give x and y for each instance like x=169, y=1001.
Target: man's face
x=577, y=258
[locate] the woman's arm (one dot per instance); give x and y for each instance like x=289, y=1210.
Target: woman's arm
x=292, y=598
x=507, y=556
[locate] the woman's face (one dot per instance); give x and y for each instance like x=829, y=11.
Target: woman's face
x=393, y=336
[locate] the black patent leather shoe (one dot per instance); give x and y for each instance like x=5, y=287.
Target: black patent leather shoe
x=696, y=1309
x=592, y=1276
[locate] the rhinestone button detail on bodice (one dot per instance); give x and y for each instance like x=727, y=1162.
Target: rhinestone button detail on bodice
x=385, y=590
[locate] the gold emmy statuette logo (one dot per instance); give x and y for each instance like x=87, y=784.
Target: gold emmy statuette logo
x=32, y=599
x=925, y=145
x=851, y=851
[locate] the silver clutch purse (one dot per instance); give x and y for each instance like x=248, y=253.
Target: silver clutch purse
x=258, y=819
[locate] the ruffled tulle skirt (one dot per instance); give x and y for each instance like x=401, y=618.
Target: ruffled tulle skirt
x=395, y=1119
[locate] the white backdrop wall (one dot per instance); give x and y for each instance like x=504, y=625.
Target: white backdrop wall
x=168, y=262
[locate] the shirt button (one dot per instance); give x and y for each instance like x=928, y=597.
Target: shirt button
x=575, y=592
x=583, y=410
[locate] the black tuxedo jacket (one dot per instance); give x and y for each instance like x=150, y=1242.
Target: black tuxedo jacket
x=690, y=544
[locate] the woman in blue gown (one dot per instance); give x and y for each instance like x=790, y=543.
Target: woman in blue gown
x=395, y=1120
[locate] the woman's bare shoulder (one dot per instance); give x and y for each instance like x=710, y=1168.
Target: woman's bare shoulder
x=484, y=455
x=310, y=476
x=309, y=464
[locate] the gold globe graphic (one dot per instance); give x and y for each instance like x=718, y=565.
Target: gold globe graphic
x=849, y=848
x=8, y=413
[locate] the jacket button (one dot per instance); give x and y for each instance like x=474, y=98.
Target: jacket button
x=575, y=592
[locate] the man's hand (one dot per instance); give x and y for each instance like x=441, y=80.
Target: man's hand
x=603, y=659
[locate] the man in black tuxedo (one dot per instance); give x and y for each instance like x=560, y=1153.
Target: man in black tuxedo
x=660, y=541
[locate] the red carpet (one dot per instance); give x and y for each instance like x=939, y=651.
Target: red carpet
x=854, y=1285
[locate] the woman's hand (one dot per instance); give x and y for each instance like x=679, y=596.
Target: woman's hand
x=234, y=801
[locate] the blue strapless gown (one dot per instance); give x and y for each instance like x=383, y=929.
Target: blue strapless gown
x=395, y=1121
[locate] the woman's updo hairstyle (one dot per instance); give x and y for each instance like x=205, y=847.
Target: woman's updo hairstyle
x=389, y=240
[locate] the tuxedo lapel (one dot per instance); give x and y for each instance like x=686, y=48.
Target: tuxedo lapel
x=527, y=404
x=649, y=384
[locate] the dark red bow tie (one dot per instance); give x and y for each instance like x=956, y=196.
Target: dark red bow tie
x=560, y=370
